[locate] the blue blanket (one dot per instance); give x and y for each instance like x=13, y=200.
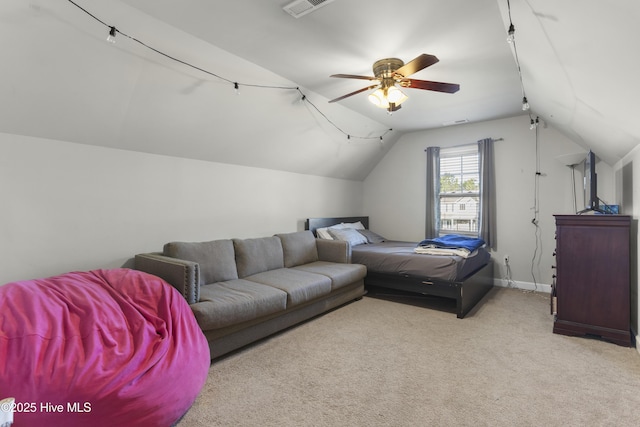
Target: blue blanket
x=454, y=241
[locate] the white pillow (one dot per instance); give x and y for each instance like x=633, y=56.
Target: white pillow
x=357, y=225
x=350, y=235
x=323, y=233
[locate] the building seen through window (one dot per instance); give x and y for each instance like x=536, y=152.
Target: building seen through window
x=459, y=190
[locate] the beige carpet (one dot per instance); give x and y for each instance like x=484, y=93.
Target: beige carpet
x=378, y=362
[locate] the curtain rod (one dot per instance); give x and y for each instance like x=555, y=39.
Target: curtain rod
x=462, y=145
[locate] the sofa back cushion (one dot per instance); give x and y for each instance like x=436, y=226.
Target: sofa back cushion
x=216, y=258
x=298, y=248
x=254, y=256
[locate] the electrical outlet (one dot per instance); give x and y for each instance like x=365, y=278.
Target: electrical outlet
x=506, y=260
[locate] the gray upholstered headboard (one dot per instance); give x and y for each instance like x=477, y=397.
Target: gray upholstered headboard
x=315, y=223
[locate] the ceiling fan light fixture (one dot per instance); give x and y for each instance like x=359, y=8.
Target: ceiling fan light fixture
x=391, y=75
x=378, y=98
x=396, y=96
x=384, y=97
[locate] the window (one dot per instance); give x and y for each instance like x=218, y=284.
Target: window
x=459, y=195
x=460, y=191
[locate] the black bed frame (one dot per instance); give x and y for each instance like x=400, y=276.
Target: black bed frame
x=466, y=292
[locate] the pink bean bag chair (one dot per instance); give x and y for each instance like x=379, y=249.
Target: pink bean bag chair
x=100, y=348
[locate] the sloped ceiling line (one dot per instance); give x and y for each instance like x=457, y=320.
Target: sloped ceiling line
x=539, y=17
x=113, y=30
x=512, y=35
x=105, y=96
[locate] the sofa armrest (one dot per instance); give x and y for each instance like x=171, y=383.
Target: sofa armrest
x=334, y=250
x=181, y=274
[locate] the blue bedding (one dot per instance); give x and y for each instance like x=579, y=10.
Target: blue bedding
x=454, y=241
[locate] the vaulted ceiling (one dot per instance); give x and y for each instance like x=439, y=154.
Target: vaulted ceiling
x=62, y=80
x=348, y=36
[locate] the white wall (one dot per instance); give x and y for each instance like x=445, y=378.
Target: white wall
x=68, y=206
x=395, y=191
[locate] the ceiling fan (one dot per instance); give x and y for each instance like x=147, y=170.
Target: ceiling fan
x=392, y=72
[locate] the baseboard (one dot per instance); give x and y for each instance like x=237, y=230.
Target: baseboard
x=526, y=286
x=543, y=287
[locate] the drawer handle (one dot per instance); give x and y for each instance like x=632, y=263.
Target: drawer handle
x=427, y=283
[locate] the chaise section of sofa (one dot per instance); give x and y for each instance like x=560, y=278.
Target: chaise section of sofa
x=242, y=290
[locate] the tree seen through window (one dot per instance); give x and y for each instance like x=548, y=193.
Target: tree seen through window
x=459, y=190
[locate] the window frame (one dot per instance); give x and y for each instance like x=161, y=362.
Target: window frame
x=451, y=201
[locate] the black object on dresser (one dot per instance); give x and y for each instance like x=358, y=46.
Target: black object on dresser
x=590, y=295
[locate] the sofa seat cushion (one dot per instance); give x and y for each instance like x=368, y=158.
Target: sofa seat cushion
x=236, y=301
x=339, y=273
x=300, y=286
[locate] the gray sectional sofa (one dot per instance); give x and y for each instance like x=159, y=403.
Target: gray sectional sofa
x=241, y=290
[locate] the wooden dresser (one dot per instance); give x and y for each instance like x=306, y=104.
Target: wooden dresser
x=590, y=294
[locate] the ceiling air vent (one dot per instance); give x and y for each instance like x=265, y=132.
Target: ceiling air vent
x=299, y=8
x=455, y=122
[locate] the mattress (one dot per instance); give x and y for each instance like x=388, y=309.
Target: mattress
x=395, y=257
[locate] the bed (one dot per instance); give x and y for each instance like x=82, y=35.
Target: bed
x=98, y=348
x=394, y=265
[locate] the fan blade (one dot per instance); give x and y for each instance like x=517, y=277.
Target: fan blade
x=420, y=63
x=393, y=107
x=428, y=85
x=351, y=76
x=353, y=93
